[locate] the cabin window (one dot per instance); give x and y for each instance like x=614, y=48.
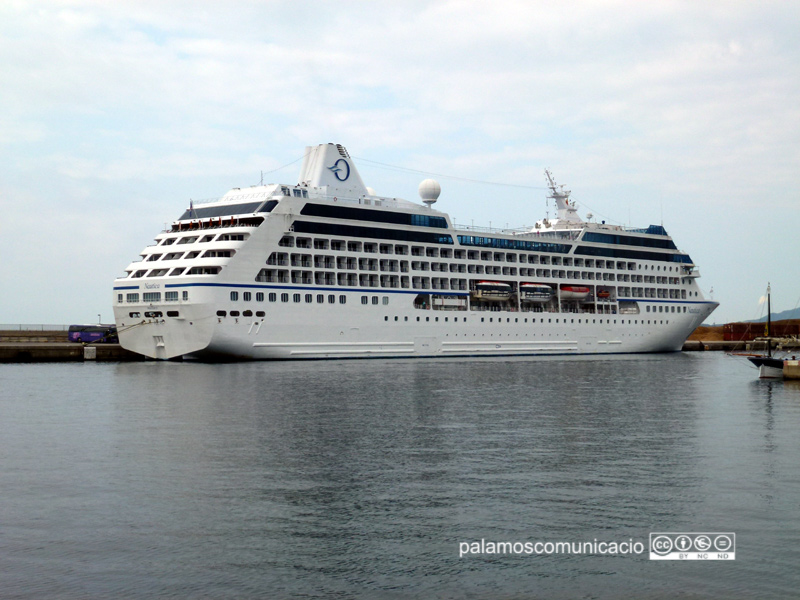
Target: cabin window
x=296, y=297
x=342, y=299
x=221, y=313
x=273, y=297
x=185, y=295
x=132, y=297
x=246, y=296
x=171, y=296
x=284, y=297
x=234, y=313
x=259, y=296
x=260, y=313
x=234, y=296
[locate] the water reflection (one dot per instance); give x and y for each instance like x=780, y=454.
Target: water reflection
x=360, y=478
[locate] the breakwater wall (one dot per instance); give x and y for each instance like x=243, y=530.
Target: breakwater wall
x=52, y=346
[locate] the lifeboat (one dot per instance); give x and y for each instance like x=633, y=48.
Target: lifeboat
x=492, y=291
x=574, y=292
x=535, y=292
x=603, y=294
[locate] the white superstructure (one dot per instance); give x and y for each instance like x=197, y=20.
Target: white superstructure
x=328, y=269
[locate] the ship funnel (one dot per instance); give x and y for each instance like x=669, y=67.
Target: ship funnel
x=329, y=166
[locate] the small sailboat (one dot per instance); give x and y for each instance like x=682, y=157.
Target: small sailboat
x=769, y=367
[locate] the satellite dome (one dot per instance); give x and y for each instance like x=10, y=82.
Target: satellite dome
x=429, y=191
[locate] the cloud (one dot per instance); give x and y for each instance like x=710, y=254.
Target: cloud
x=634, y=104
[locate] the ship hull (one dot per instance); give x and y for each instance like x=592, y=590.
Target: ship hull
x=353, y=329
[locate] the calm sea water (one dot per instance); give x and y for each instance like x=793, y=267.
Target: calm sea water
x=360, y=479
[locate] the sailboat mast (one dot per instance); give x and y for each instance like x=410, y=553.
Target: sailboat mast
x=769, y=321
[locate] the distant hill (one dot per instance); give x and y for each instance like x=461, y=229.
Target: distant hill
x=781, y=316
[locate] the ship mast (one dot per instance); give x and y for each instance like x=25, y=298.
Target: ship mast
x=567, y=213
x=769, y=321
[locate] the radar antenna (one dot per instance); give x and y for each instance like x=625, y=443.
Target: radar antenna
x=557, y=194
x=566, y=210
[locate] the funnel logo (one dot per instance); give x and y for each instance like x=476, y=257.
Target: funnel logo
x=693, y=546
x=340, y=169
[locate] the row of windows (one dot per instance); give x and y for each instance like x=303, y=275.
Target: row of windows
x=179, y=255
x=533, y=320
x=191, y=239
x=376, y=300
x=236, y=313
x=329, y=278
x=198, y=270
x=628, y=240
x=320, y=299
x=358, y=231
x=427, y=319
x=284, y=297
x=227, y=210
x=633, y=254
x=133, y=297
x=365, y=301
x=474, y=240
x=373, y=216
x=154, y=314
x=349, y=263
x=458, y=254
x=358, y=280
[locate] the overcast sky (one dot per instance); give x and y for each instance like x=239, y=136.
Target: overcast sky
x=114, y=114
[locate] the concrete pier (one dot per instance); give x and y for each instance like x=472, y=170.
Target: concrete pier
x=52, y=346
x=791, y=369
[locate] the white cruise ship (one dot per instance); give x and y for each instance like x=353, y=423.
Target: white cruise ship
x=328, y=269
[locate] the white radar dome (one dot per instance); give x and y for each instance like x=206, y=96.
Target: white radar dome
x=429, y=191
